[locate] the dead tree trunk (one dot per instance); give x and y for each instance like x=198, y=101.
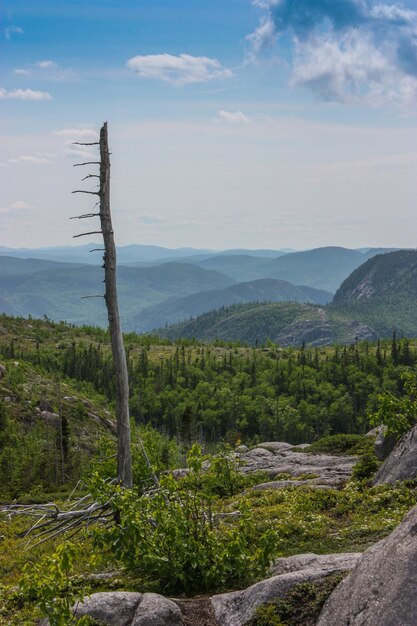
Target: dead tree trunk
x=124, y=461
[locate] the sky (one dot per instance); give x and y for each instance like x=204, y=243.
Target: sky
x=232, y=123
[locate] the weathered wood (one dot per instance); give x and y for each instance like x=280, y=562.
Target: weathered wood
x=124, y=460
x=92, y=232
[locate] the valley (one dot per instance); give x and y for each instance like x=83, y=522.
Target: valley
x=292, y=293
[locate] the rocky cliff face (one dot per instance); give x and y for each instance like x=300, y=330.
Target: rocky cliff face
x=382, y=276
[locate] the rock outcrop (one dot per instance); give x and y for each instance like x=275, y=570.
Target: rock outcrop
x=381, y=590
x=125, y=608
x=278, y=458
x=238, y=607
x=384, y=444
x=401, y=463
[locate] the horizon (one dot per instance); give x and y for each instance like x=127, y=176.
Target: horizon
x=207, y=250
x=251, y=124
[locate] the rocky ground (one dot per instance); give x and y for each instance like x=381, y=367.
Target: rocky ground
x=379, y=591
x=279, y=458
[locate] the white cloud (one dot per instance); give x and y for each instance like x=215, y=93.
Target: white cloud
x=178, y=70
x=37, y=160
x=82, y=134
x=45, y=64
x=12, y=30
x=45, y=69
x=344, y=51
x=263, y=36
x=24, y=94
x=231, y=117
x=149, y=220
x=79, y=153
x=19, y=205
x=77, y=134
x=351, y=68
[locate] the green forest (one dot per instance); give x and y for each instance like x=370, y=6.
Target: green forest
x=193, y=392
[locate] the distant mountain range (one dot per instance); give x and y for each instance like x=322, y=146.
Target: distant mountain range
x=187, y=282
x=377, y=298
x=127, y=255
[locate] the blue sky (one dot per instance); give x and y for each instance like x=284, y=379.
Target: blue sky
x=256, y=123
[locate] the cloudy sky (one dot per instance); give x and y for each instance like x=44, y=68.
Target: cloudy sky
x=255, y=123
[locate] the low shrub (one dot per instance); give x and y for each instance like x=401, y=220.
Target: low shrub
x=173, y=536
x=343, y=444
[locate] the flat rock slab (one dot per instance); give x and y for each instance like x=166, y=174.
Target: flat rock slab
x=345, y=560
x=326, y=469
x=381, y=590
x=238, y=607
x=275, y=446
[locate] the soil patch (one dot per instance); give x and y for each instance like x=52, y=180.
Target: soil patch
x=197, y=612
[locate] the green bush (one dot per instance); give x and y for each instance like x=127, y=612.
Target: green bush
x=341, y=444
x=49, y=585
x=366, y=467
x=397, y=413
x=173, y=537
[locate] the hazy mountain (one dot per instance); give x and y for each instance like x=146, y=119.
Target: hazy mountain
x=258, y=253
x=58, y=291
x=126, y=255
x=240, y=267
x=16, y=266
x=81, y=254
x=321, y=268
x=178, y=309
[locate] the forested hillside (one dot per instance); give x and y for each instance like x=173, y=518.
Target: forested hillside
x=263, y=290
x=188, y=391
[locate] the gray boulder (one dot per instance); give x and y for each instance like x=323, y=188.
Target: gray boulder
x=116, y=608
x=384, y=444
x=238, y=607
x=2, y=371
x=125, y=608
x=381, y=590
x=155, y=610
x=401, y=463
